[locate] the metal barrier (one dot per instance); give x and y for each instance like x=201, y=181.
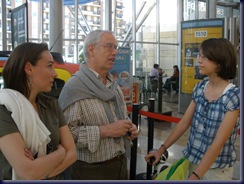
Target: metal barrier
x=151, y=116
x=150, y=122
x=135, y=113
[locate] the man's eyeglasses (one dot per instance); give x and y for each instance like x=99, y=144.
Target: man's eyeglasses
x=109, y=46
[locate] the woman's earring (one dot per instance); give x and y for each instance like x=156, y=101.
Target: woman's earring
x=30, y=81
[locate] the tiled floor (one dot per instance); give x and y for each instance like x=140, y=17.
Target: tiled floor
x=161, y=132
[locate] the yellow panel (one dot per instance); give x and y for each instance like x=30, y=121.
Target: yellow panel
x=63, y=74
x=191, y=41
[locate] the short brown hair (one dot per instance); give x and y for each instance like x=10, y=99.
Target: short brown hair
x=222, y=52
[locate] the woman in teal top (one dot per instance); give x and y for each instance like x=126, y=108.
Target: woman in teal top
x=27, y=74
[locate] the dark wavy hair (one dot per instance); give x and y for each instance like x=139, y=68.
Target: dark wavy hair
x=14, y=75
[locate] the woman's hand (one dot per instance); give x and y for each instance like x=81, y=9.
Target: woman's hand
x=28, y=154
x=152, y=154
x=61, y=152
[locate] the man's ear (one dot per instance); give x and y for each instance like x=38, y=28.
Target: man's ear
x=91, y=50
x=28, y=68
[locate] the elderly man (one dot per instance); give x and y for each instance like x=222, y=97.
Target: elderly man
x=96, y=113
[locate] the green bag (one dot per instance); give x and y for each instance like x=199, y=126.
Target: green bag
x=177, y=171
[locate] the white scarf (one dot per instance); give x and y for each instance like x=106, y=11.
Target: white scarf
x=34, y=132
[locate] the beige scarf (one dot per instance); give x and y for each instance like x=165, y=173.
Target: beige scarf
x=34, y=132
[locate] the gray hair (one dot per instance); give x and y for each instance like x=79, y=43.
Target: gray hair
x=93, y=38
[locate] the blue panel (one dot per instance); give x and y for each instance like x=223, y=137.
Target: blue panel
x=203, y=23
x=71, y=2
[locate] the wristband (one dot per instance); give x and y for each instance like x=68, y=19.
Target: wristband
x=165, y=149
x=196, y=175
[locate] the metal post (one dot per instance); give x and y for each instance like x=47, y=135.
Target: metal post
x=150, y=136
x=108, y=15
x=4, y=27
x=135, y=113
x=56, y=26
x=160, y=91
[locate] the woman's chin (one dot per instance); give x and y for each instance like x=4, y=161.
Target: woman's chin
x=47, y=90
